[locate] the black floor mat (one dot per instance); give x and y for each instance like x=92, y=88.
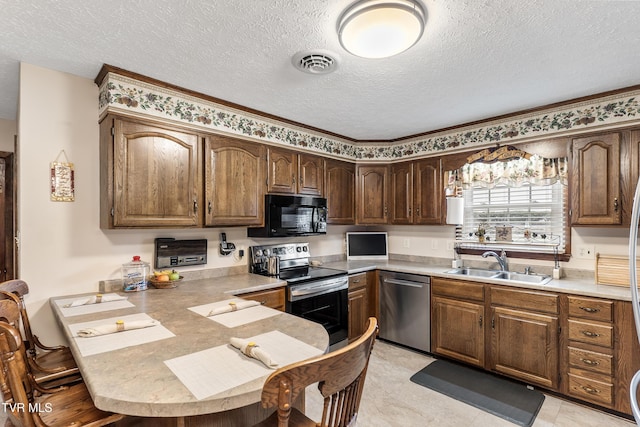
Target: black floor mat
x=501, y=397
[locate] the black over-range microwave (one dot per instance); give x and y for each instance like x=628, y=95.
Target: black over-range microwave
x=294, y=215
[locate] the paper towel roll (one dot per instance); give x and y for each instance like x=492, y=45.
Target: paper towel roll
x=455, y=210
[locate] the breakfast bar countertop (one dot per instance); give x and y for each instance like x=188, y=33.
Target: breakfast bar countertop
x=136, y=381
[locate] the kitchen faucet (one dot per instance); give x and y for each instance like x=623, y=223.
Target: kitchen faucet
x=502, y=259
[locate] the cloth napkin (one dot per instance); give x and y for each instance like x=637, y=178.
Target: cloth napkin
x=96, y=299
x=232, y=306
x=117, y=326
x=251, y=349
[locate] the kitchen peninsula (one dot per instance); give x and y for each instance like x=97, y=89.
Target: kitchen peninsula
x=136, y=381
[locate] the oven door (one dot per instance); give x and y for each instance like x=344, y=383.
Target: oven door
x=328, y=308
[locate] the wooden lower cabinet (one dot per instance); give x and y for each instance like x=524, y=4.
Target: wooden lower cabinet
x=273, y=298
x=457, y=320
x=598, y=362
x=524, y=335
x=524, y=345
x=582, y=347
x=358, y=305
x=459, y=331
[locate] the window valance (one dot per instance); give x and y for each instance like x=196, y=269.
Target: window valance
x=533, y=169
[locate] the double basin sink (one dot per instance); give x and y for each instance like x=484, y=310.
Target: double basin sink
x=507, y=276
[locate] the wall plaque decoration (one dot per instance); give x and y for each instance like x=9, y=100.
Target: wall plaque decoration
x=62, y=180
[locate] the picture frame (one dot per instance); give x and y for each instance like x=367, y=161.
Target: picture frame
x=504, y=234
x=62, y=182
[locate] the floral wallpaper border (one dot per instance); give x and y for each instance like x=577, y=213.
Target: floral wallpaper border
x=129, y=96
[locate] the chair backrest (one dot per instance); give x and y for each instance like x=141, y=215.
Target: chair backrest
x=340, y=375
x=16, y=289
x=15, y=286
x=10, y=312
x=14, y=379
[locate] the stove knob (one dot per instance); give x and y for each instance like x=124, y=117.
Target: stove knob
x=304, y=249
x=298, y=249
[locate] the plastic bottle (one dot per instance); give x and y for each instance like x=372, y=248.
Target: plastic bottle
x=135, y=275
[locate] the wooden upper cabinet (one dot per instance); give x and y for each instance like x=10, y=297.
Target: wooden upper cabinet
x=372, y=194
x=401, y=197
x=595, y=180
x=283, y=169
x=295, y=173
x=341, y=189
x=311, y=174
x=416, y=192
x=235, y=178
x=150, y=172
x=428, y=191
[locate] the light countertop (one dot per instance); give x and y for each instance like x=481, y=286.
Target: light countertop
x=586, y=287
x=135, y=380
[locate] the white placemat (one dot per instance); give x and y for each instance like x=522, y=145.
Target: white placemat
x=212, y=371
x=90, y=308
x=235, y=318
x=103, y=343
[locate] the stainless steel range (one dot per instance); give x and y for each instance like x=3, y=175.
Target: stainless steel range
x=315, y=293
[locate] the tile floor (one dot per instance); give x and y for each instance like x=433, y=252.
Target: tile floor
x=390, y=399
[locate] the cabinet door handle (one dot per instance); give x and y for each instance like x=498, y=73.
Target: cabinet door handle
x=590, y=334
x=385, y=210
x=209, y=207
x=493, y=323
x=301, y=180
x=590, y=309
x=480, y=320
x=293, y=180
x=616, y=205
x=195, y=206
x=590, y=390
x=590, y=362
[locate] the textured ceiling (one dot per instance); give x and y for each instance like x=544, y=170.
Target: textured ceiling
x=476, y=59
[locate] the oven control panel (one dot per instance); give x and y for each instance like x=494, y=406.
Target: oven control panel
x=284, y=251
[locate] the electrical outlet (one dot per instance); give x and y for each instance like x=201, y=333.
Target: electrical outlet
x=434, y=244
x=585, y=252
x=450, y=245
x=406, y=243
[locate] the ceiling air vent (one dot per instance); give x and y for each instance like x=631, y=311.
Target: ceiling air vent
x=315, y=62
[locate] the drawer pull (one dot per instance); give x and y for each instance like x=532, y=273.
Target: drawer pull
x=590, y=309
x=590, y=334
x=590, y=390
x=263, y=302
x=590, y=362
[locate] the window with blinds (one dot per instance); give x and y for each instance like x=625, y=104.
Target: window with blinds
x=534, y=216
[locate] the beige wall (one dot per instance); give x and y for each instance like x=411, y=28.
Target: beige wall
x=62, y=249
x=7, y=132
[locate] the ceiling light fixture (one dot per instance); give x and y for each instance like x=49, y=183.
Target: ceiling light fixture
x=381, y=28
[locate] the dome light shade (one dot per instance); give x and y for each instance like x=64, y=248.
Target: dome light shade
x=381, y=28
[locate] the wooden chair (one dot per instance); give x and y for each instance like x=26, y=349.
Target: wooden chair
x=47, y=363
x=10, y=313
x=340, y=375
x=66, y=406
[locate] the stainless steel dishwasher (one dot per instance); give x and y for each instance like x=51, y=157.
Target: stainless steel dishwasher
x=405, y=309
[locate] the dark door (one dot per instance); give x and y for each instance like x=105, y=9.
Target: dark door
x=7, y=215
